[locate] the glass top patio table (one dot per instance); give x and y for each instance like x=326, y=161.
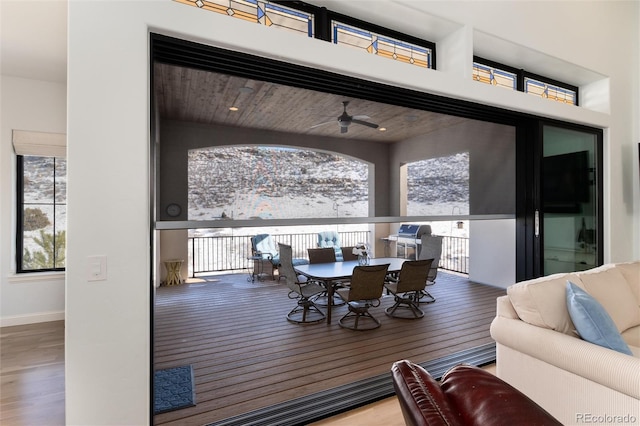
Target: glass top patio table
x=330, y=273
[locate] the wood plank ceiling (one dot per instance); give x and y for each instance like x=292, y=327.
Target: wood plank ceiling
x=205, y=97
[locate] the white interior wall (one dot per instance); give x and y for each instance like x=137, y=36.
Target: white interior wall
x=492, y=248
x=108, y=77
x=38, y=106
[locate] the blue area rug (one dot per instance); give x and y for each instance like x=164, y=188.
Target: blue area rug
x=173, y=389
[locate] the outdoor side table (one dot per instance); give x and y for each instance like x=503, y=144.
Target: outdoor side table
x=173, y=271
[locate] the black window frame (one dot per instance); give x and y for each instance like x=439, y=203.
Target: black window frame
x=521, y=74
x=20, y=204
x=527, y=74
x=322, y=26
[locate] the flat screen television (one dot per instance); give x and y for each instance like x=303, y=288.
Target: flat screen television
x=565, y=182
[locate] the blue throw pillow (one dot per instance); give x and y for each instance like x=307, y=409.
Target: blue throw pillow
x=592, y=322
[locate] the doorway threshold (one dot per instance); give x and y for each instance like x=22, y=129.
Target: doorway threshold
x=320, y=405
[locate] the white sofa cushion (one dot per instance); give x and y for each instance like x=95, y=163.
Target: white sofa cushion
x=542, y=302
x=632, y=337
x=631, y=273
x=611, y=289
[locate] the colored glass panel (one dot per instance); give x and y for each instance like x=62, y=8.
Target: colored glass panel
x=494, y=76
x=376, y=44
x=261, y=12
x=549, y=91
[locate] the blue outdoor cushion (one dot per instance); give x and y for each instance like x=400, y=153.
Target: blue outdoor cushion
x=592, y=322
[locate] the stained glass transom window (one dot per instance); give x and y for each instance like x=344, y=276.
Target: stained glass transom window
x=494, y=76
x=260, y=12
x=549, y=91
x=381, y=45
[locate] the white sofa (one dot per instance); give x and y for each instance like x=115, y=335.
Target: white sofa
x=540, y=353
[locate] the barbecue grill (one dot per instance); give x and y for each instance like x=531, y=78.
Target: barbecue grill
x=409, y=236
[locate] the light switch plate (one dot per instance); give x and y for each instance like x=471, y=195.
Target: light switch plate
x=96, y=268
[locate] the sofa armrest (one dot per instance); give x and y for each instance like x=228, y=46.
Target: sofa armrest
x=505, y=309
x=601, y=365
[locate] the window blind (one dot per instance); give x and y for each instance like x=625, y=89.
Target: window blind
x=43, y=144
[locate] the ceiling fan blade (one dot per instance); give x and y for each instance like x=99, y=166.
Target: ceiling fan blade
x=322, y=124
x=365, y=123
x=361, y=117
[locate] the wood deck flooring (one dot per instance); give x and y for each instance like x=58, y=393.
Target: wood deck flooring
x=247, y=356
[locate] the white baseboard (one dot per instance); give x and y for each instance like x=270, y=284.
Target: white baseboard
x=31, y=318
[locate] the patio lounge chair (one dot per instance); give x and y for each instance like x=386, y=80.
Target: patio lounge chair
x=331, y=239
x=263, y=246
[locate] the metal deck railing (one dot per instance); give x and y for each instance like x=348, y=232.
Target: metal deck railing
x=232, y=253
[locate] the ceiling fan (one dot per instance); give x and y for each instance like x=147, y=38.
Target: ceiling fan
x=345, y=120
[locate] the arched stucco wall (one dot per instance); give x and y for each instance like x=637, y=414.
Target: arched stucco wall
x=177, y=138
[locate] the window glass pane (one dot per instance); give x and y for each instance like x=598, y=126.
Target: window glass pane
x=38, y=179
x=61, y=181
x=60, y=236
x=275, y=183
x=260, y=12
x=43, y=234
x=37, y=249
x=380, y=45
x=569, y=200
x=494, y=76
x=549, y=91
x=288, y=19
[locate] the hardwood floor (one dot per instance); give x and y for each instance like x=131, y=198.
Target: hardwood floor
x=32, y=374
x=246, y=355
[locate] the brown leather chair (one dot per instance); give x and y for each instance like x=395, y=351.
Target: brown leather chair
x=466, y=395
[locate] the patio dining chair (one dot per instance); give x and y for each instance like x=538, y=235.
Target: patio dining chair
x=347, y=253
x=324, y=255
x=305, y=312
x=407, y=289
x=431, y=248
x=321, y=255
x=364, y=292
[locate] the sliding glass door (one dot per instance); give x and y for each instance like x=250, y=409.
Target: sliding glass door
x=569, y=219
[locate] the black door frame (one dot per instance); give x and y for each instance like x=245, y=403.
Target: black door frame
x=537, y=147
x=179, y=52
x=169, y=50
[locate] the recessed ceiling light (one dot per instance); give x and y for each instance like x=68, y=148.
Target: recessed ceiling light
x=383, y=129
x=233, y=108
